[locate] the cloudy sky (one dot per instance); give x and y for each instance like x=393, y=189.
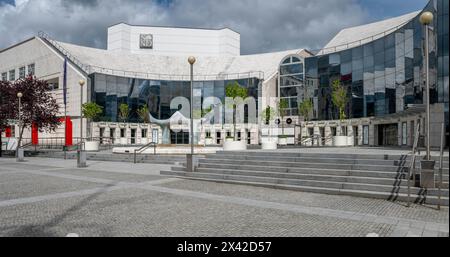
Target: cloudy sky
x=264, y=25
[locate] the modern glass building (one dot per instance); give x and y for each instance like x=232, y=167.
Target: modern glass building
x=383, y=74
x=381, y=65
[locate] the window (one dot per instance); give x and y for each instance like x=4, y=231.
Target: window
x=292, y=83
x=22, y=72
x=208, y=134
x=366, y=135
x=53, y=86
x=404, y=133
x=218, y=138
x=122, y=133
x=4, y=76
x=31, y=69
x=12, y=75
x=144, y=133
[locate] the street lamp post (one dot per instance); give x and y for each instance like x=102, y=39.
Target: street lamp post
x=190, y=160
x=19, y=152
x=427, y=175
x=81, y=153
x=426, y=19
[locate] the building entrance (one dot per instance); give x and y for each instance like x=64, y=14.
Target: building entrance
x=179, y=138
x=388, y=135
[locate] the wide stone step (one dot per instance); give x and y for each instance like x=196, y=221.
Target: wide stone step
x=391, y=195
x=324, y=155
x=317, y=159
x=308, y=165
x=315, y=171
x=314, y=177
x=320, y=183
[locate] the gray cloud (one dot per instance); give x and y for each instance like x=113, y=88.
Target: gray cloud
x=264, y=25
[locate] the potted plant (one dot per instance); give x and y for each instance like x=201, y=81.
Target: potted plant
x=91, y=111
x=269, y=142
x=144, y=117
x=124, y=113
x=340, y=100
x=283, y=104
x=234, y=91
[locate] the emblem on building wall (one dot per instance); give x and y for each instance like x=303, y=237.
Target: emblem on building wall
x=146, y=41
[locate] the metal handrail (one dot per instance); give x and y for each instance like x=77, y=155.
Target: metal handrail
x=315, y=137
x=143, y=148
x=413, y=163
x=181, y=77
x=441, y=165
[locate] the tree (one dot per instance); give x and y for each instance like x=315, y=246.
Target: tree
x=143, y=113
x=91, y=111
x=124, y=112
x=234, y=90
x=268, y=114
x=339, y=98
x=5, y=108
x=283, y=104
x=305, y=108
x=38, y=105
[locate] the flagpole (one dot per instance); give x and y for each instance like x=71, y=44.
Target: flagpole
x=65, y=107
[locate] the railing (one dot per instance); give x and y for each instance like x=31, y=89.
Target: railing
x=441, y=165
x=413, y=164
x=66, y=53
x=321, y=141
x=145, y=147
x=60, y=142
x=177, y=77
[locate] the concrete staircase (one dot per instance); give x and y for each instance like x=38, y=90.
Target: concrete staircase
x=373, y=176
x=108, y=156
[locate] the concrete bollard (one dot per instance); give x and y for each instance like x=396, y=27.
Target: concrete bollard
x=81, y=159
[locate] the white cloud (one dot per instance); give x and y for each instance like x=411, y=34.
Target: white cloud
x=264, y=25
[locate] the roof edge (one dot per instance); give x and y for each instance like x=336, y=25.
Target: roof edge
x=169, y=27
x=17, y=44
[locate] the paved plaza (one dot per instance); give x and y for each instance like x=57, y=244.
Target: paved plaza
x=51, y=197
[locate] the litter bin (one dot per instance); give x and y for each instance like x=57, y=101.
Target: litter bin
x=427, y=174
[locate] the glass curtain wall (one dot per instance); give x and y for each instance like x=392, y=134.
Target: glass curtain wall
x=112, y=91
x=386, y=75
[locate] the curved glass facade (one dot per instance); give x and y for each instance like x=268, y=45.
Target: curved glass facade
x=111, y=91
x=292, y=83
x=384, y=76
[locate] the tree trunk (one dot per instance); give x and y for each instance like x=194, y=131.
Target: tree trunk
x=1, y=143
x=21, y=130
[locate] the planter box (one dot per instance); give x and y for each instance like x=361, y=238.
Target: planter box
x=234, y=146
x=340, y=141
x=269, y=143
x=350, y=141
x=282, y=141
x=91, y=146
